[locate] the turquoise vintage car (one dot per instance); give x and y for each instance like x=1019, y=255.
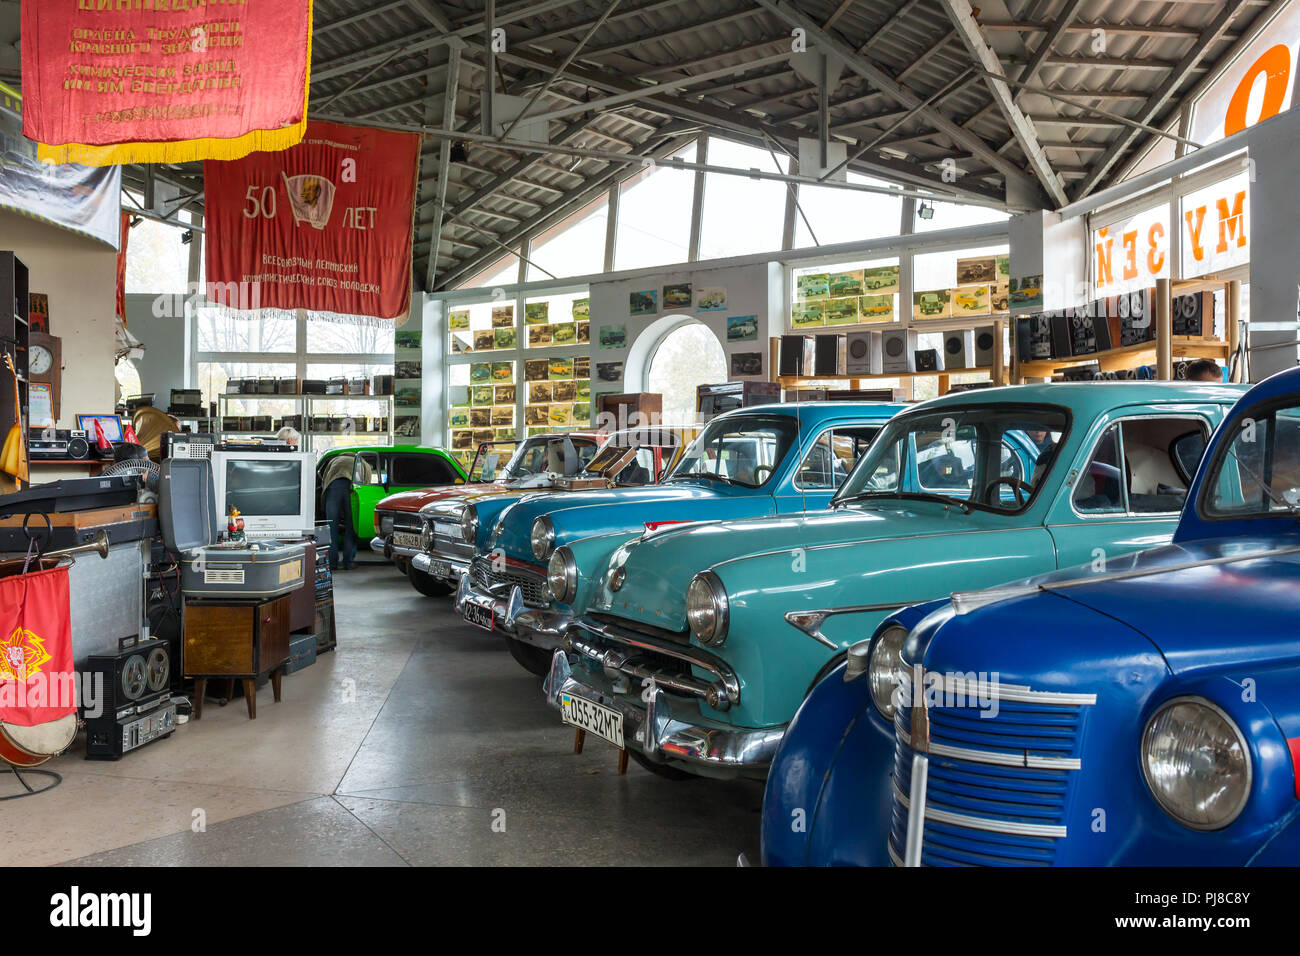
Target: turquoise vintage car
x=529, y=575
x=700, y=642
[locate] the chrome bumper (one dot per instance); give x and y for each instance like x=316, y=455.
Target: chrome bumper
x=380, y=546
x=543, y=627
x=423, y=561
x=385, y=546
x=504, y=612
x=670, y=731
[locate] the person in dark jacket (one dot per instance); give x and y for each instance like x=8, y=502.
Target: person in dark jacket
x=336, y=495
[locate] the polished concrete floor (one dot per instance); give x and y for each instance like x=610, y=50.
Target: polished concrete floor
x=418, y=741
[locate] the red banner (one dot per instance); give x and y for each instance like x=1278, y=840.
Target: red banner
x=37, y=680
x=325, y=226
x=164, y=81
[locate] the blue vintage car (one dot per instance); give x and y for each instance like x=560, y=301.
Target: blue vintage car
x=700, y=643
x=535, y=561
x=1134, y=712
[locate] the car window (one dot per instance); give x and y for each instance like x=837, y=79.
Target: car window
x=1140, y=466
x=640, y=470
x=421, y=470
x=739, y=449
x=369, y=468
x=832, y=456
x=1258, y=473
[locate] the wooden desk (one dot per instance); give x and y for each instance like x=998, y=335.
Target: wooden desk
x=237, y=640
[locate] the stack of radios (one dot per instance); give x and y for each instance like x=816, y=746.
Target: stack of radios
x=1112, y=322
x=888, y=351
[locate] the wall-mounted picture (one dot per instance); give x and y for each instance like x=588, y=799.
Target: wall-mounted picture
x=503, y=415
x=582, y=309
x=806, y=315
x=482, y=395
x=584, y=332
x=876, y=308
x=503, y=372
x=813, y=286
x=537, y=313
x=581, y=366
x=613, y=336
x=481, y=417
x=845, y=283
x=505, y=434
x=535, y=414
x=406, y=393
x=742, y=328
x=504, y=395
x=711, y=299
x=407, y=368
x=541, y=335
x=1027, y=293
x=503, y=338
x=1001, y=296
x=459, y=418
x=970, y=300
x=480, y=373
x=502, y=316
x=1004, y=268
x=457, y=320
x=540, y=393
x=643, y=303
x=609, y=371
x=746, y=363
x=462, y=440
x=977, y=270
x=560, y=368
x=461, y=342
x=410, y=339
x=564, y=391
x=880, y=279
x=582, y=413
x=677, y=296
x=566, y=333
x=485, y=340
x=583, y=393
x=561, y=416
x=483, y=434
x=458, y=395
x=931, y=304
x=841, y=311
x=535, y=370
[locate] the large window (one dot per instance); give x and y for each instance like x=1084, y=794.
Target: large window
x=574, y=247
x=828, y=215
x=950, y=215
x=687, y=357
x=742, y=216
x=654, y=216
x=157, y=260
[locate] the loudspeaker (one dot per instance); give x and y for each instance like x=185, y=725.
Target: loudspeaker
x=987, y=345
x=1193, y=314
x=830, y=355
x=797, y=355
x=898, y=350
x=862, y=353
x=1060, y=325
x=959, y=349
x=929, y=360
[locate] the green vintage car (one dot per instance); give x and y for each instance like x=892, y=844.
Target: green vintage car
x=393, y=468
x=700, y=641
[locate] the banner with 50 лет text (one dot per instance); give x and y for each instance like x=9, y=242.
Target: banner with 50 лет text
x=164, y=81
x=325, y=226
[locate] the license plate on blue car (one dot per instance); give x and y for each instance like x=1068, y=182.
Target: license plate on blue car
x=478, y=616
x=604, y=722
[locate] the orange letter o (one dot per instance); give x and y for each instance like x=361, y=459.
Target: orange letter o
x=1275, y=64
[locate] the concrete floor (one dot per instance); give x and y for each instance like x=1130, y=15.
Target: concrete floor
x=418, y=741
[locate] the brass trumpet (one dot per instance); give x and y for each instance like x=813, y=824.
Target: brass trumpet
x=99, y=545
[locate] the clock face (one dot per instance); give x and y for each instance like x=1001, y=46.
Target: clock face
x=39, y=360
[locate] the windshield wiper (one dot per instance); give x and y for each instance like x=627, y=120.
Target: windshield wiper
x=1293, y=510
x=712, y=476
x=961, y=503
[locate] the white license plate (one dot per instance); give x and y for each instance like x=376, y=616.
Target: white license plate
x=404, y=539
x=447, y=530
x=604, y=722
x=478, y=616
x=439, y=569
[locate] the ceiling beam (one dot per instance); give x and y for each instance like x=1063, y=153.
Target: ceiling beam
x=444, y=159
x=1059, y=26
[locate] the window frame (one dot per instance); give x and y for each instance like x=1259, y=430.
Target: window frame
x=1127, y=511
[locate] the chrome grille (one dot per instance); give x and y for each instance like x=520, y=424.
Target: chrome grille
x=998, y=787
x=499, y=583
x=406, y=521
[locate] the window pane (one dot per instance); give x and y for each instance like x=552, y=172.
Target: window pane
x=948, y=215
x=573, y=248
x=348, y=338
x=156, y=259
x=689, y=356
x=1099, y=489
x=221, y=331
x=842, y=215
x=844, y=294
x=741, y=216
x=654, y=216
x=557, y=320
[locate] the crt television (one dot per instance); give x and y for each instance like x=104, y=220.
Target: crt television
x=274, y=491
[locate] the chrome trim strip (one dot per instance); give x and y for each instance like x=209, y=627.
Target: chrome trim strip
x=992, y=757
x=822, y=614
x=893, y=855
x=916, y=810
x=695, y=656
x=1017, y=693
x=1050, y=831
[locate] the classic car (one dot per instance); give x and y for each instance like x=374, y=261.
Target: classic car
x=932, y=302
x=700, y=643
x=446, y=548
x=760, y=460
x=1140, y=711
x=497, y=466
x=393, y=468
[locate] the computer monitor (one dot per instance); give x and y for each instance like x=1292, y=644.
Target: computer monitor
x=274, y=491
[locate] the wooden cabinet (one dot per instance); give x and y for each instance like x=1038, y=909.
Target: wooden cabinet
x=238, y=640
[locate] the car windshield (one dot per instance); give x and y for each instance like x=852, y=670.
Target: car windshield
x=739, y=450
x=991, y=457
x=1258, y=473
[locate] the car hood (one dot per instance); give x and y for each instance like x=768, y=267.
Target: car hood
x=659, y=566
x=1205, y=604
x=454, y=502
x=415, y=500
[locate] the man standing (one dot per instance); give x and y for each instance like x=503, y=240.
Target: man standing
x=336, y=495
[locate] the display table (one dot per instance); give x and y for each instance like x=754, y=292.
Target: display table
x=237, y=640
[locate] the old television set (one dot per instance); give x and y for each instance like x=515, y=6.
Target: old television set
x=274, y=492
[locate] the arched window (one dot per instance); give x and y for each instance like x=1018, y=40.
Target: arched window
x=686, y=357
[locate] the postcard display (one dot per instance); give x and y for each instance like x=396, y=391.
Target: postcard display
x=557, y=386
x=408, y=385
x=853, y=297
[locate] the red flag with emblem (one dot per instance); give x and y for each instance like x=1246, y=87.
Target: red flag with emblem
x=37, y=679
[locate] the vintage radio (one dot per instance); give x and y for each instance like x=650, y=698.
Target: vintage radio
x=959, y=349
x=1033, y=337
x=45, y=444
x=929, y=360
x=987, y=344
x=338, y=385
x=286, y=386
x=314, y=386
x=829, y=356
x=798, y=355
x=320, y=423
x=358, y=386
x=186, y=396
x=260, y=423
x=234, y=386
x=1089, y=332
x=897, y=350
x=862, y=353
x=382, y=385
x=1135, y=317
x=188, y=445
x=1193, y=314
x=267, y=385
x=135, y=698
x=290, y=421
x=249, y=386
x=230, y=423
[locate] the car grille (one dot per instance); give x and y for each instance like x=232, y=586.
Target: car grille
x=998, y=787
x=407, y=521
x=499, y=583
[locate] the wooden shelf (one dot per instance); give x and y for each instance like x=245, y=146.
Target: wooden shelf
x=795, y=381
x=1129, y=356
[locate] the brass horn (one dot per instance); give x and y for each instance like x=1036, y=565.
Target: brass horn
x=99, y=545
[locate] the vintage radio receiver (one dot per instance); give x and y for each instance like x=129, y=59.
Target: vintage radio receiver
x=46, y=444
x=188, y=444
x=136, y=706
x=929, y=360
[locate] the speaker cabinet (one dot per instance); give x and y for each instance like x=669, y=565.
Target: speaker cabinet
x=797, y=356
x=929, y=360
x=1193, y=314
x=987, y=345
x=959, y=349
x=898, y=350
x=830, y=355
x=1060, y=325
x=862, y=353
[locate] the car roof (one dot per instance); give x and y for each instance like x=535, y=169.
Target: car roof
x=1092, y=395
x=813, y=412
x=353, y=449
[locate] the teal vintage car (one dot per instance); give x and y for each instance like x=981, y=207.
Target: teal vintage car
x=700, y=642
x=393, y=468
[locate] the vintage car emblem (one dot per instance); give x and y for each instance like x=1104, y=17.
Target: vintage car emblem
x=616, y=579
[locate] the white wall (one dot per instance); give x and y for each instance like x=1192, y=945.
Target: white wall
x=1274, y=241
x=165, y=365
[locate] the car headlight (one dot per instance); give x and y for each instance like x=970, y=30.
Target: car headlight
x=562, y=576
x=707, y=610
x=385, y=524
x=469, y=524
x=542, y=538
x=884, y=667
x=1196, y=763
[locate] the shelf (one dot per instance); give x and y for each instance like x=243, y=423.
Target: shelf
x=1129, y=356
x=794, y=381
x=325, y=398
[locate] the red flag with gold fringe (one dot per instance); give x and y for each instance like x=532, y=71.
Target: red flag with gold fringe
x=36, y=671
x=164, y=81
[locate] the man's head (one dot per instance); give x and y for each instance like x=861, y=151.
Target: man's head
x=1204, y=370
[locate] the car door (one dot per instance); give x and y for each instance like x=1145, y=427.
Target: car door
x=827, y=461
x=368, y=486
x=1128, y=485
